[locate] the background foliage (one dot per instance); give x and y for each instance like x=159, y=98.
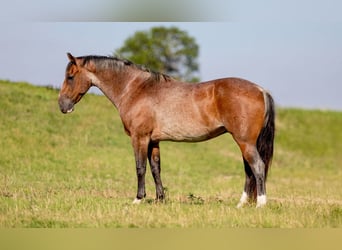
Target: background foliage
x=168, y=50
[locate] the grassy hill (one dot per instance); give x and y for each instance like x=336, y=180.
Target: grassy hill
x=78, y=170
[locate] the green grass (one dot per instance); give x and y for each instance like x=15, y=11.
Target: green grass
x=78, y=170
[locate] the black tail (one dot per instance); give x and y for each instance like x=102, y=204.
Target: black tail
x=266, y=137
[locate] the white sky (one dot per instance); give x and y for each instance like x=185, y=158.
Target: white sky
x=293, y=50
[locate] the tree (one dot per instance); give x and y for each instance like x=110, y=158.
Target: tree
x=167, y=50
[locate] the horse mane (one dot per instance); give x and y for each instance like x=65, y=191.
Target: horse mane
x=116, y=63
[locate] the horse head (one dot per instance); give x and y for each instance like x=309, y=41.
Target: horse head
x=76, y=83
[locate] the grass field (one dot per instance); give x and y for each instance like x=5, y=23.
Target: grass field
x=78, y=170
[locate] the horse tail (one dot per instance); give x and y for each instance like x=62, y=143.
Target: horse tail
x=265, y=139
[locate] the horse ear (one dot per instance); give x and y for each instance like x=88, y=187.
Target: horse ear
x=71, y=58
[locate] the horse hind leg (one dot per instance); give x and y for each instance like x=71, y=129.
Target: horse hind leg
x=255, y=176
x=249, y=192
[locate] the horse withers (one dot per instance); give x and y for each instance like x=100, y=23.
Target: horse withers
x=155, y=107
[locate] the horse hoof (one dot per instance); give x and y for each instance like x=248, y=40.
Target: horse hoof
x=137, y=201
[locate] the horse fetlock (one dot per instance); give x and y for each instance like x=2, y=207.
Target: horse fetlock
x=243, y=200
x=160, y=197
x=261, y=201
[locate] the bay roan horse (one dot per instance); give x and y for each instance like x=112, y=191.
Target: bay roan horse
x=155, y=107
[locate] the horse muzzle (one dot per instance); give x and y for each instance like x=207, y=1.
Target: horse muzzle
x=66, y=105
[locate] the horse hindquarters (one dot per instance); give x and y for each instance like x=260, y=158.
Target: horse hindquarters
x=257, y=159
x=247, y=112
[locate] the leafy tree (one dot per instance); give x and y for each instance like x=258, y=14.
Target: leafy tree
x=168, y=50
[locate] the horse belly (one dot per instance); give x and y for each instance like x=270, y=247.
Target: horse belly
x=187, y=131
x=187, y=115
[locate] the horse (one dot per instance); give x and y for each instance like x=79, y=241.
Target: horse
x=155, y=107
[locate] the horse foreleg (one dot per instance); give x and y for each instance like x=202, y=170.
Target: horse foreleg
x=140, y=147
x=154, y=159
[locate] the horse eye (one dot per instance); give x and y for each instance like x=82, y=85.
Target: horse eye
x=70, y=77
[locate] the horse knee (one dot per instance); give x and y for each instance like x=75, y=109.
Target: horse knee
x=141, y=170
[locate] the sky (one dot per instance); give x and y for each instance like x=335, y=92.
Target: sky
x=294, y=50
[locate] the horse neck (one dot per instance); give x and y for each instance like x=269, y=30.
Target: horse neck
x=117, y=84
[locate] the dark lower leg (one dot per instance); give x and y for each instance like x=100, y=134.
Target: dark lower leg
x=250, y=182
x=258, y=169
x=140, y=146
x=141, y=170
x=255, y=174
x=154, y=159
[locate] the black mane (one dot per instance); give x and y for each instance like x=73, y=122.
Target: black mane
x=119, y=63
